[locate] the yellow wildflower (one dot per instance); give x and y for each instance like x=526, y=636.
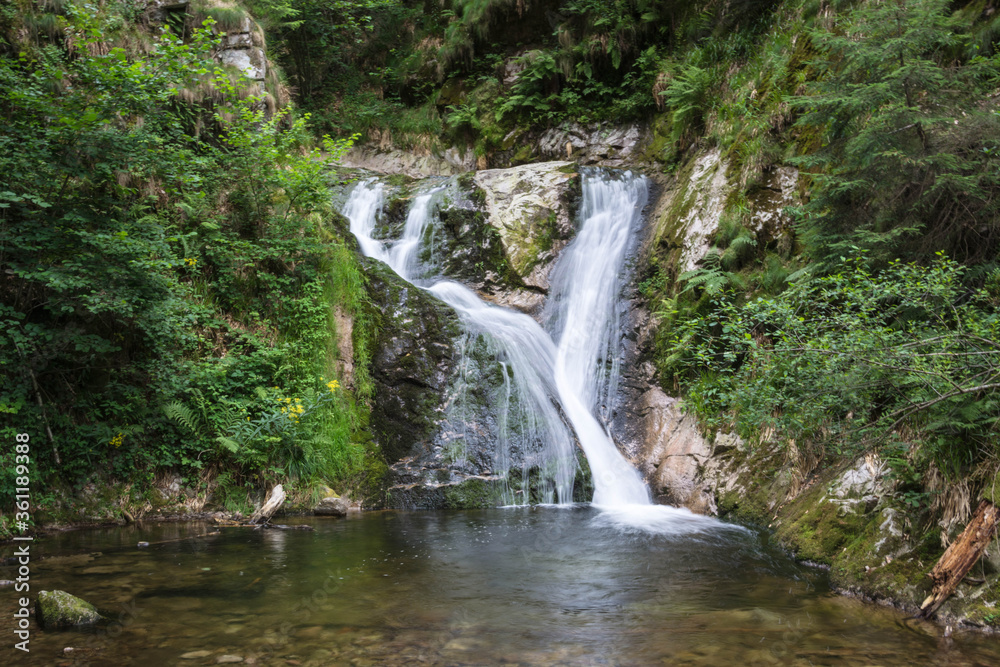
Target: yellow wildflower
x=191, y=261
x=117, y=440
x=332, y=384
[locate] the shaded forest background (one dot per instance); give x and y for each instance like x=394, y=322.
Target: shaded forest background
x=171, y=270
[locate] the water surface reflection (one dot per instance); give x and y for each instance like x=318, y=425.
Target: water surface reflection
x=522, y=586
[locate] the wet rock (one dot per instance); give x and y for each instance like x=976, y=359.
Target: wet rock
x=412, y=364
x=56, y=610
x=533, y=208
x=228, y=659
x=467, y=247
x=673, y=453
x=332, y=506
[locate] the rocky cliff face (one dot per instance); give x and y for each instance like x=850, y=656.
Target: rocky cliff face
x=242, y=46
x=413, y=364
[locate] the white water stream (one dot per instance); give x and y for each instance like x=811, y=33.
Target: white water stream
x=576, y=374
x=585, y=290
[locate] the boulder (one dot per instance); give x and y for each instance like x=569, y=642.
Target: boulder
x=58, y=610
x=413, y=361
x=533, y=208
x=332, y=506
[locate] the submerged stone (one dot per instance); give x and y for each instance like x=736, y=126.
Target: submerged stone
x=58, y=610
x=195, y=655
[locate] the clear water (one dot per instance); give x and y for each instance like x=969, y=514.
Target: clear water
x=518, y=586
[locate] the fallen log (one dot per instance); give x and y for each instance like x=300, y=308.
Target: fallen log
x=274, y=500
x=959, y=558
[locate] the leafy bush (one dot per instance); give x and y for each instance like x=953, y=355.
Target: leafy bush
x=154, y=220
x=857, y=360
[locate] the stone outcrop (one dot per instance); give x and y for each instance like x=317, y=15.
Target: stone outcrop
x=687, y=215
x=332, y=506
x=242, y=46
x=58, y=610
x=673, y=454
x=532, y=207
x=604, y=145
x=423, y=164
x=413, y=362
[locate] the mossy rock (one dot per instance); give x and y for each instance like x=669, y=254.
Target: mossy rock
x=412, y=363
x=473, y=494
x=58, y=610
x=532, y=207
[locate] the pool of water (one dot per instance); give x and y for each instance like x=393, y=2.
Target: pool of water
x=519, y=586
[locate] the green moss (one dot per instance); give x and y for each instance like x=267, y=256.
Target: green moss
x=661, y=147
x=522, y=155
x=473, y=494
x=583, y=482
x=59, y=610
x=816, y=529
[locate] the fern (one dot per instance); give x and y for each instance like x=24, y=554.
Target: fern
x=228, y=443
x=181, y=414
x=711, y=278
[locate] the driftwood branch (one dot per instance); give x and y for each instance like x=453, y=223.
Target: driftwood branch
x=45, y=418
x=274, y=500
x=959, y=558
x=143, y=545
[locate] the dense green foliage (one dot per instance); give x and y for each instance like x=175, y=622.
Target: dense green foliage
x=168, y=278
x=471, y=71
x=908, y=162
x=818, y=336
x=887, y=108
x=907, y=360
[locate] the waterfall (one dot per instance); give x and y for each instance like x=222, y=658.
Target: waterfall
x=528, y=356
x=543, y=379
x=583, y=305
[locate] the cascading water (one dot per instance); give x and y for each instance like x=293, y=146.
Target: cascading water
x=527, y=412
x=528, y=356
x=585, y=288
x=546, y=380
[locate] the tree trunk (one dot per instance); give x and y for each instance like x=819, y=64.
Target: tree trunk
x=959, y=558
x=271, y=504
